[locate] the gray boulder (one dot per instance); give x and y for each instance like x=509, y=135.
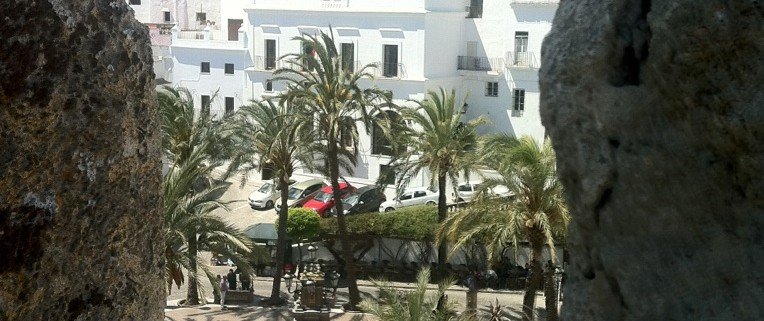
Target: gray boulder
x=80, y=171
x=656, y=111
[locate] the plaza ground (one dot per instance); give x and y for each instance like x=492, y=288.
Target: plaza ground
x=242, y=216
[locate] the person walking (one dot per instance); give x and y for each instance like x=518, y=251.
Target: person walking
x=231, y=279
x=223, y=289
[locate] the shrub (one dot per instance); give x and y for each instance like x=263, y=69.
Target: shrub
x=302, y=224
x=416, y=223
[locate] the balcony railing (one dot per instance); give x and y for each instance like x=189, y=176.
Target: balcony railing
x=480, y=63
x=522, y=59
x=389, y=70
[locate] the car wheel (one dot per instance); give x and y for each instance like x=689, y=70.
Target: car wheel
x=431, y=203
x=389, y=209
x=268, y=204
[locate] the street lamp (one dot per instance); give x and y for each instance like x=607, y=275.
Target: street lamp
x=333, y=277
x=312, y=252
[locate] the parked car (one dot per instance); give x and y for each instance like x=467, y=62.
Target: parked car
x=265, y=196
x=301, y=192
x=410, y=197
x=467, y=191
x=366, y=199
x=324, y=200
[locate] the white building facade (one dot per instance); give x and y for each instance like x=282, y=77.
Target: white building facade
x=487, y=50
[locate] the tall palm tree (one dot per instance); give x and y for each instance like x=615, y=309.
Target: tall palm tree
x=536, y=212
x=269, y=136
x=442, y=143
x=196, y=145
x=330, y=95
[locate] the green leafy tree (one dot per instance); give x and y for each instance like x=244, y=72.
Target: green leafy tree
x=302, y=224
x=415, y=305
x=195, y=145
x=268, y=136
x=536, y=212
x=442, y=143
x=328, y=93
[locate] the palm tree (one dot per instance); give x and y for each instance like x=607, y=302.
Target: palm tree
x=327, y=93
x=269, y=137
x=190, y=227
x=196, y=145
x=440, y=142
x=536, y=212
x=416, y=305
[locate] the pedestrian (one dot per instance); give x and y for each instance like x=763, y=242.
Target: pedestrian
x=231, y=279
x=223, y=283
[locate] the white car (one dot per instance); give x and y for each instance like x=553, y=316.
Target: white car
x=265, y=196
x=467, y=191
x=410, y=197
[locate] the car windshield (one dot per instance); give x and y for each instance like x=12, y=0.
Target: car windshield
x=294, y=193
x=351, y=200
x=464, y=188
x=266, y=188
x=322, y=196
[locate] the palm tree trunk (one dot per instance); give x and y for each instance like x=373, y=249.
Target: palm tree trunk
x=192, y=297
x=281, y=241
x=347, y=251
x=443, y=247
x=536, y=240
x=550, y=295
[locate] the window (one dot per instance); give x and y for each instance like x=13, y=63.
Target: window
x=475, y=9
x=390, y=64
x=269, y=85
x=167, y=16
x=519, y=99
x=201, y=16
x=405, y=196
x=492, y=89
x=270, y=54
x=228, y=105
x=233, y=29
x=386, y=175
x=380, y=144
x=521, y=48
x=135, y=2
x=205, y=67
x=419, y=194
x=205, y=104
x=229, y=69
x=348, y=56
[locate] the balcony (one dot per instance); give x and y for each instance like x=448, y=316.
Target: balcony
x=207, y=39
x=389, y=70
x=522, y=60
x=480, y=64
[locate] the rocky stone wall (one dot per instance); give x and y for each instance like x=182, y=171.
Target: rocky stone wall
x=80, y=227
x=656, y=111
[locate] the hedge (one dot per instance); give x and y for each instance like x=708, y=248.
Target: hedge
x=416, y=223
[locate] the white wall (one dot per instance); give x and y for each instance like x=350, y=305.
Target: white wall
x=187, y=73
x=142, y=11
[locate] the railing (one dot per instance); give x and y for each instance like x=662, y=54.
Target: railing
x=194, y=34
x=480, y=63
x=389, y=70
x=521, y=59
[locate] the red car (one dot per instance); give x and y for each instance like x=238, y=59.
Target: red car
x=323, y=201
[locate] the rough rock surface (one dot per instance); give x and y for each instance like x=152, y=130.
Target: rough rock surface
x=80, y=230
x=656, y=111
